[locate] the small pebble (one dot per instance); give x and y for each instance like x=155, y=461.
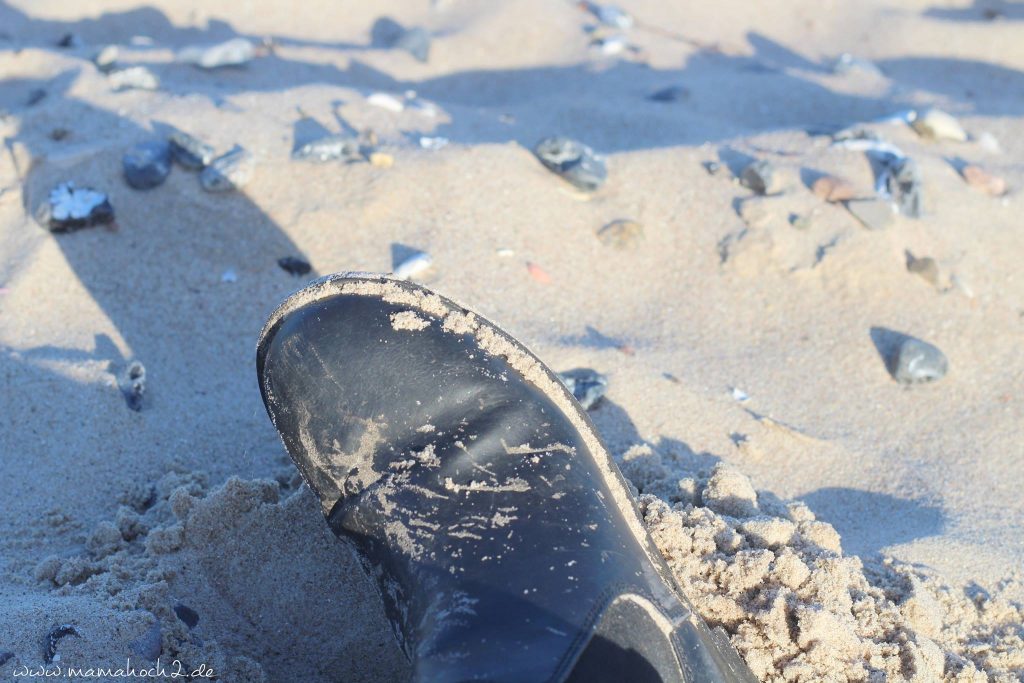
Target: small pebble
x=133, y=385
x=415, y=265
x=387, y=101
x=71, y=208
x=190, y=152
x=53, y=638
x=874, y=214
x=989, y=143
x=983, y=181
x=433, y=143
x=69, y=40
x=935, y=124
x=916, y=361
x=538, y=273
x=294, y=265
x=133, y=78
x=147, y=164
x=847, y=63
x=621, y=234
x=588, y=386
x=415, y=41
x=229, y=276
x=234, y=52
x=904, y=184
x=230, y=171
x=610, y=15
x=712, y=167
x=833, y=189
x=188, y=616
x=759, y=176
x=381, y=160
x=673, y=93
x=573, y=161
x=926, y=267
x=106, y=59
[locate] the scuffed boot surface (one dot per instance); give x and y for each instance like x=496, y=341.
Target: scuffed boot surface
x=470, y=481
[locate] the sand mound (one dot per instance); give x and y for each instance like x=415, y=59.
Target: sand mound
x=245, y=579
x=776, y=580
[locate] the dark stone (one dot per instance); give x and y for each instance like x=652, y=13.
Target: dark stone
x=574, y=161
x=759, y=176
x=69, y=40
x=54, y=637
x=588, y=386
x=673, y=93
x=147, y=164
x=188, y=616
x=190, y=152
x=71, y=208
x=294, y=266
x=230, y=171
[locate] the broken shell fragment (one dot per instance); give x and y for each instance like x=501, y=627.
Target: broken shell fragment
x=586, y=385
x=190, y=152
x=621, y=234
x=935, y=124
x=133, y=78
x=328, y=148
x=71, y=208
x=230, y=171
x=415, y=265
x=573, y=161
x=234, y=52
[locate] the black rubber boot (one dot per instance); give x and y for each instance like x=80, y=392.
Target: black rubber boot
x=476, y=491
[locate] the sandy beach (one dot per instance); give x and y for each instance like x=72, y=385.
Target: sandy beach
x=747, y=337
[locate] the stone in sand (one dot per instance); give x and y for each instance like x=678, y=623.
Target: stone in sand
x=133, y=385
x=133, y=78
x=106, y=59
x=760, y=176
x=926, y=267
x=916, y=361
x=673, y=93
x=621, y=234
x=234, y=52
x=416, y=264
x=904, y=184
x=294, y=265
x=573, y=161
x=147, y=164
x=874, y=214
x=983, y=181
x=415, y=41
x=588, y=386
x=833, y=189
x=230, y=171
x=328, y=148
x=190, y=152
x=935, y=124
x=187, y=615
x=71, y=208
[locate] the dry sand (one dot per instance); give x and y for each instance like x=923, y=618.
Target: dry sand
x=739, y=348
